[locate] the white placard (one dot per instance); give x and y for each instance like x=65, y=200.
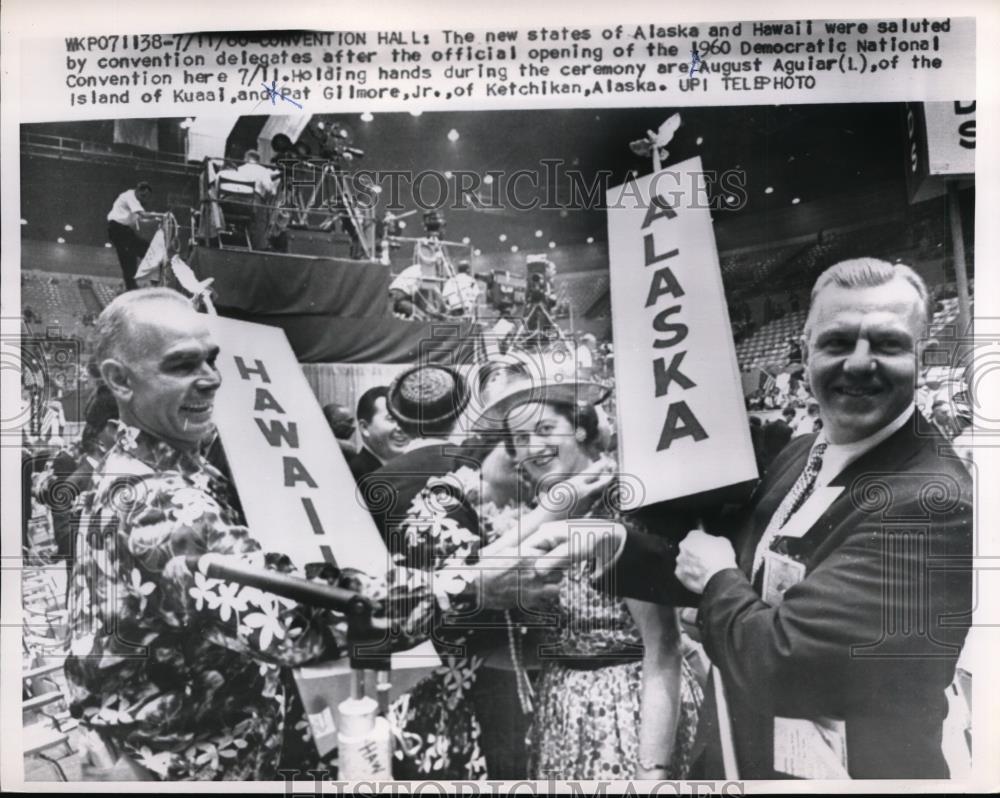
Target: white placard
x=296, y=488
x=682, y=420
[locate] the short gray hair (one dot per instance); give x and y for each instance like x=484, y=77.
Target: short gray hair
x=870, y=273
x=112, y=328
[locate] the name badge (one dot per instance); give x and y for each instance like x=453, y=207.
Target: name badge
x=811, y=749
x=811, y=511
x=780, y=573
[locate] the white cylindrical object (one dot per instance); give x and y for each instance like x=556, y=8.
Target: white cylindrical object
x=364, y=742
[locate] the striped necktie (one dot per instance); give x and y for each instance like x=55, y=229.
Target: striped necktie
x=790, y=504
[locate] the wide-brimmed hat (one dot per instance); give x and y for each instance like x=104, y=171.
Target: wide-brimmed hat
x=427, y=395
x=527, y=378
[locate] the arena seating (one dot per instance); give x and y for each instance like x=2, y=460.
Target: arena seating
x=65, y=303
x=768, y=347
x=585, y=291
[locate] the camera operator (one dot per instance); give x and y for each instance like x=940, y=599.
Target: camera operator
x=541, y=296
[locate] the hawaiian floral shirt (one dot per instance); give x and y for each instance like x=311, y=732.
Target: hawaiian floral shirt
x=185, y=674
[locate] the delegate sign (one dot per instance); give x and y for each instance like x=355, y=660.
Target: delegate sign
x=294, y=483
x=682, y=422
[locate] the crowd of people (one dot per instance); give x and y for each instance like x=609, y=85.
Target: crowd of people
x=565, y=655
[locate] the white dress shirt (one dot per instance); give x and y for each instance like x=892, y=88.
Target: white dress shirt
x=840, y=455
x=126, y=209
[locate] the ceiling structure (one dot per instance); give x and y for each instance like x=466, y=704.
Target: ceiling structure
x=786, y=155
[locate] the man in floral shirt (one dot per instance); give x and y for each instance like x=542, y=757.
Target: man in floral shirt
x=175, y=675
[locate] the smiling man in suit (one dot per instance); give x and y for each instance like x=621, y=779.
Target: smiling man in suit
x=835, y=603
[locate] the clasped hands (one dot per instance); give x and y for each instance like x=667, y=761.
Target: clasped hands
x=595, y=544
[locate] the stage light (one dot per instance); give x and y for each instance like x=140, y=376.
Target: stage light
x=24, y=221
x=552, y=245
x=447, y=175
x=477, y=252
x=488, y=180
x=466, y=240
x=61, y=240
x=453, y=135
x=415, y=113
x=401, y=224
x=796, y=200
x=563, y=213
x=321, y=125
x=367, y=116
x=107, y=245
x=376, y=189
x=68, y=228
x=699, y=140
x=187, y=123
x=769, y=190
x=590, y=239
x=502, y=237
x=513, y=248
x=539, y=234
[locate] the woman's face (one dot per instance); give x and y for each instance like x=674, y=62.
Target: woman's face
x=545, y=441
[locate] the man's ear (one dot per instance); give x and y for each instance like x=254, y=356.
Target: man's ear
x=363, y=429
x=117, y=378
x=804, y=346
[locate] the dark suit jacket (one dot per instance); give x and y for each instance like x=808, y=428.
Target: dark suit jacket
x=776, y=436
x=872, y=633
x=363, y=463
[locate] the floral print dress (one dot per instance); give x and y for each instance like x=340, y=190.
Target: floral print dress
x=588, y=715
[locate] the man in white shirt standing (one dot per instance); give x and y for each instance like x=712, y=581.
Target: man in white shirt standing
x=123, y=230
x=461, y=291
x=835, y=605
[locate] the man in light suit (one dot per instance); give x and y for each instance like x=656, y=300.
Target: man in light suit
x=836, y=603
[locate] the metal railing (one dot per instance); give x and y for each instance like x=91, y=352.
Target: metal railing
x=78, y=149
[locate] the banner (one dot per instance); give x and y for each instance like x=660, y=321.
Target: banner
x=682, y=422
x=207, y=137
x=940, y=145
x=137, y=132
x=295, y=486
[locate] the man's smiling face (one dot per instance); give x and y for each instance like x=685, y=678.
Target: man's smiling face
x=862, y=356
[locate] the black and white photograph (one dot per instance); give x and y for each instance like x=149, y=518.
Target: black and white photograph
x=590, y=444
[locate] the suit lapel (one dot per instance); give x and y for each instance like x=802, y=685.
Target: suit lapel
x=889, y=457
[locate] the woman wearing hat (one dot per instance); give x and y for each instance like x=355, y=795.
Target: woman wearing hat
x=616, y=698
